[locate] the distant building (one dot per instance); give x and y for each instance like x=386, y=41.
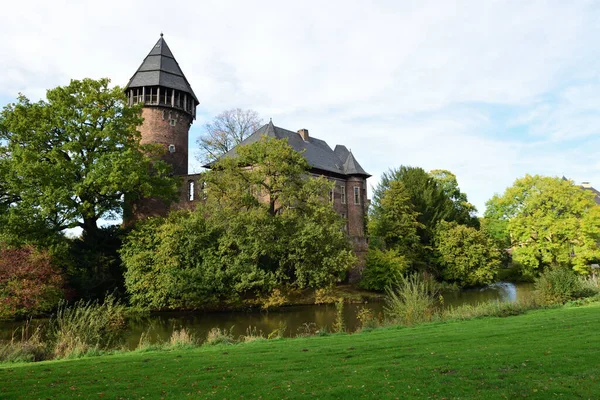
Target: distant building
x=588, y=186
x=169, y=111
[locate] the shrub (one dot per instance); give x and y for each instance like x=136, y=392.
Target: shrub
x=467, y=256
x=411, y=300
x=30, y=284
x=557, y=285
x=275, y=299
x=325, y=295
x=366, y=318
x=87, y=325
x=383, y=268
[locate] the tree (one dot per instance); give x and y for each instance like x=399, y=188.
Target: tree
x=433, y=197
x=227, y=130
x=265, y=223
x=277, y=219
x=395, y=222
x=550, y=222
x=70, y=160
x=467, y=255
x=30, y=282
x=464, y=212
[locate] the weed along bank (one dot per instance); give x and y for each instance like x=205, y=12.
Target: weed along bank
x=169, y=110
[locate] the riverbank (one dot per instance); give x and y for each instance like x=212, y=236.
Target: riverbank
x=543, y=353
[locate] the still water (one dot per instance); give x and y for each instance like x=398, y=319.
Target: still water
x=297, y=319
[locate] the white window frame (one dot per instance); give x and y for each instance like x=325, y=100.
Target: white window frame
x=356, y=195
x=343, y=191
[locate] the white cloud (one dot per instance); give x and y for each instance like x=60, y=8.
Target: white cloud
x=398, y=82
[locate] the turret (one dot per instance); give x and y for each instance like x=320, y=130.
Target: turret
x=169, y=104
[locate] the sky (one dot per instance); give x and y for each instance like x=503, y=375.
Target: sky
x=489, y=90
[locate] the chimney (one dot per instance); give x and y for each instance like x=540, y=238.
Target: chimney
x=586, y=185
x=304, y=134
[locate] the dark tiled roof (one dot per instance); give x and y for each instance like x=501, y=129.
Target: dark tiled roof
x=597, y=193
x=318, y=154
x=160, y=68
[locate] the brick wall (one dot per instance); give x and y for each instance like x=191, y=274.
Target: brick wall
x=167, y=126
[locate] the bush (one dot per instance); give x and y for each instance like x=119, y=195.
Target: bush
x=173, y=263
x=383, y=268
x=412, y=300
x=85, y=326
x=30, y=284
x=366, y=318
x=467, y=256
x=557, y=286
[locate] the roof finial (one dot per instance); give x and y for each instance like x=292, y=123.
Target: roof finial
x=161, y=34
x=271, y=120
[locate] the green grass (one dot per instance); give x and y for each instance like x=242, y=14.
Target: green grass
x=542, y=354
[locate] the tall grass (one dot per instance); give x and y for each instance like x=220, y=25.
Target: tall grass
x=220, y=336
x=491, y=308
x=87, y=325
x=412, y=300
x=28, y=346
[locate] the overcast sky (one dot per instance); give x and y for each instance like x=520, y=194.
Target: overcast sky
x=490, y=90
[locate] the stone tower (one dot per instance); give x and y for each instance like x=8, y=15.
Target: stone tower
x=169, y=104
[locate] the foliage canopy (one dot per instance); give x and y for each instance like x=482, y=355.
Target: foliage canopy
x=265, y=223
x=70, y=160
x=550, y=222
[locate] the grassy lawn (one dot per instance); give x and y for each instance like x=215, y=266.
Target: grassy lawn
x=542, y=354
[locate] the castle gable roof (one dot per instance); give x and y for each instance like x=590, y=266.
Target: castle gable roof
x=596, y=193
x=160, y=68
x=317, y=152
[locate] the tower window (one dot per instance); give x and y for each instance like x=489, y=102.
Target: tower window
x=191, y=190
x=343, y=192
x=171, y=148
x=331, y=196
x=356, y=195
x=172, y=122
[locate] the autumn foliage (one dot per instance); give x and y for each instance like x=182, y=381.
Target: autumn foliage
x=30, y=283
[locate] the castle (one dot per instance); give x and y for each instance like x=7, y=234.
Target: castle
x=170, y=109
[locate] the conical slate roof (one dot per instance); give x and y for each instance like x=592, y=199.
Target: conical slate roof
x=316, y=151
x=160, y=68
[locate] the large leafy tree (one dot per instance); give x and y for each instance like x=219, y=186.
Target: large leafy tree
x=394, y=223
x=225, y=131
x=265, y=223
x=463, y=211
x=70, y=160
x=433, y=197
x=550, y=222
x=287, y=228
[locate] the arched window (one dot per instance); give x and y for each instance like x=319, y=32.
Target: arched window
x=190, y=190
